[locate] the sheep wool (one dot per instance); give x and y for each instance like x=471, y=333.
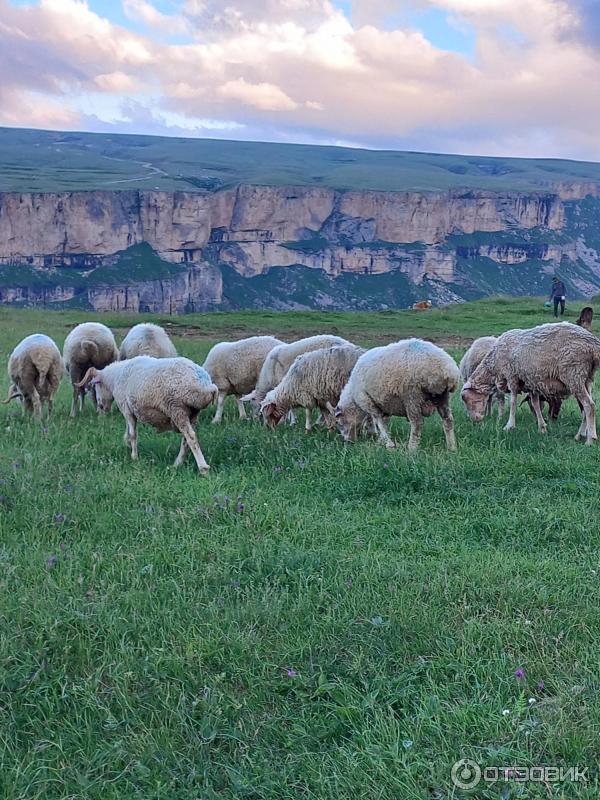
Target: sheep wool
x=315, y=380
x=90, y=344
x=166, y=393
x=410, y=378
x=472, y=359
x=147, y=339
x=235, y=366
x=35, y=370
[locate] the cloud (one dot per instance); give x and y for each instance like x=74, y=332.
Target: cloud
x=303, y=70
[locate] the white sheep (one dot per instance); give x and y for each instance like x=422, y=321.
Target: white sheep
x=147, y=339
x=315, y=380
x=551, y=362
x=280, y=359
x=35, y=369
x=167, y=393
x=90, y=344
x=235, y=366
x=472, y=359
x=410, y=378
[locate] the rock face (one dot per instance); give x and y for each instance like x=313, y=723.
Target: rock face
x=251, y=229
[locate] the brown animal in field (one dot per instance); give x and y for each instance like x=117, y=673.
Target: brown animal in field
x=586, y=318
x=422, y=305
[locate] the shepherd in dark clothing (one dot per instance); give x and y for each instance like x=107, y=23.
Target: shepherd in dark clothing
x=558, y=295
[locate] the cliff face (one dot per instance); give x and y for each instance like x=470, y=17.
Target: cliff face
x=422, y=235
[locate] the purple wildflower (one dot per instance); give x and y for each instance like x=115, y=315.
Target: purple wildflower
x=541, y=686
x=386, y=465
x=278, y=470
x=519, y=673
x=240, y=508
x=59, y=518
x=291, y=672
x=51, y=562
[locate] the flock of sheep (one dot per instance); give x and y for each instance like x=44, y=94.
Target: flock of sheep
x=355, y=390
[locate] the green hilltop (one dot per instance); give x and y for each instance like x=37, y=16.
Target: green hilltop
x=44, y=161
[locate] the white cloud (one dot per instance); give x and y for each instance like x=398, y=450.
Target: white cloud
x=264, y=96
x=141, y=10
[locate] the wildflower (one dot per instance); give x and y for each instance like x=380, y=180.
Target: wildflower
x=51, y=562
x=291, y=672
x=519, y=673
x=59, y=518
x=386, y=465
x=240, y=508
x=541, y=686
x=407, y=744
x=278, y=470
x=505, y=712
x=532, y=700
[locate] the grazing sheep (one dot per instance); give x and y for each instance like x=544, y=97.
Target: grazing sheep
x=551, y=362
x=280, y=359
x=147, y=339
x=472, y=359
x=35, y=369
x=90, y=344
x=167, y=393
x=411, y=378
x=315, y=379
x=235, y=366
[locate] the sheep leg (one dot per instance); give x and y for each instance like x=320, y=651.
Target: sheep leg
x=182, y=453
x=50, y=407
x=513, y=410
x=37, y=404
x=501, y=402
x=291, y=418
x=74, y=402
x=448, y=425
x=241, y=408
x=130, y=436
x=382, y=429
x=416, y=426
x=308, y=420
x=219, y=412
x=589, y=408
x=186, y=429
x=535, y=405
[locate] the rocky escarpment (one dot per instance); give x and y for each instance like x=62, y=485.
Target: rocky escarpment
x=442, y=237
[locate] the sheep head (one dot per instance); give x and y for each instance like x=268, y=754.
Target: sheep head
x=349, y=419
x=93, y=381
x=475, y=402
x=271, y=413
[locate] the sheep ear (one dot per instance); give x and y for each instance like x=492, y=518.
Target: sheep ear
x=337, y=412
x=91, y=376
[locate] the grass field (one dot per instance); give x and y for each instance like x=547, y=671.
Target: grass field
x=312, y=620
x=46, y=161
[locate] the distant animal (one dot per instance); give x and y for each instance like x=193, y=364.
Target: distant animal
x=586, y=318
x=35, y=369
x=422, y=305
x=90, y=344
x=147, y=339
x=235, y=366
x=167, y=393
x=410, y=378
x=551, y=362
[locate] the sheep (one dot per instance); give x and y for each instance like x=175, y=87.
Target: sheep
x=147, y=339
x=90, y=344
x=422, y=305
x=315, y=379
x=410, y=378
x=280, y=359
x=551, y=361
x=471, y=360
x=35, y=369
x=586, y=317
x=235, y=366
x=167, y=393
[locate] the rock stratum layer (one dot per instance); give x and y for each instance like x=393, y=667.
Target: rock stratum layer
x=58, y=248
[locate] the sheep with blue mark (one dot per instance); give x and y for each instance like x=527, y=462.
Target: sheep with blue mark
x=166, y=393
x=410, y=378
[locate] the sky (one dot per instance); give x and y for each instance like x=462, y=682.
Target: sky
x=491, y=77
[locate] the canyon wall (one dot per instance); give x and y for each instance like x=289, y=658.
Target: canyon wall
x=251, y=229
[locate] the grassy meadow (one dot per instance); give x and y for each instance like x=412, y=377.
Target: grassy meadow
x=312, y=620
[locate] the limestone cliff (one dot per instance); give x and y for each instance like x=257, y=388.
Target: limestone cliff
x=425, y=236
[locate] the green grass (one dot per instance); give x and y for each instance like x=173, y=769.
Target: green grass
x=42, y=161
x=313, y=620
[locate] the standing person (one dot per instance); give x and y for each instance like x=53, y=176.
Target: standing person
x=558, y=295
